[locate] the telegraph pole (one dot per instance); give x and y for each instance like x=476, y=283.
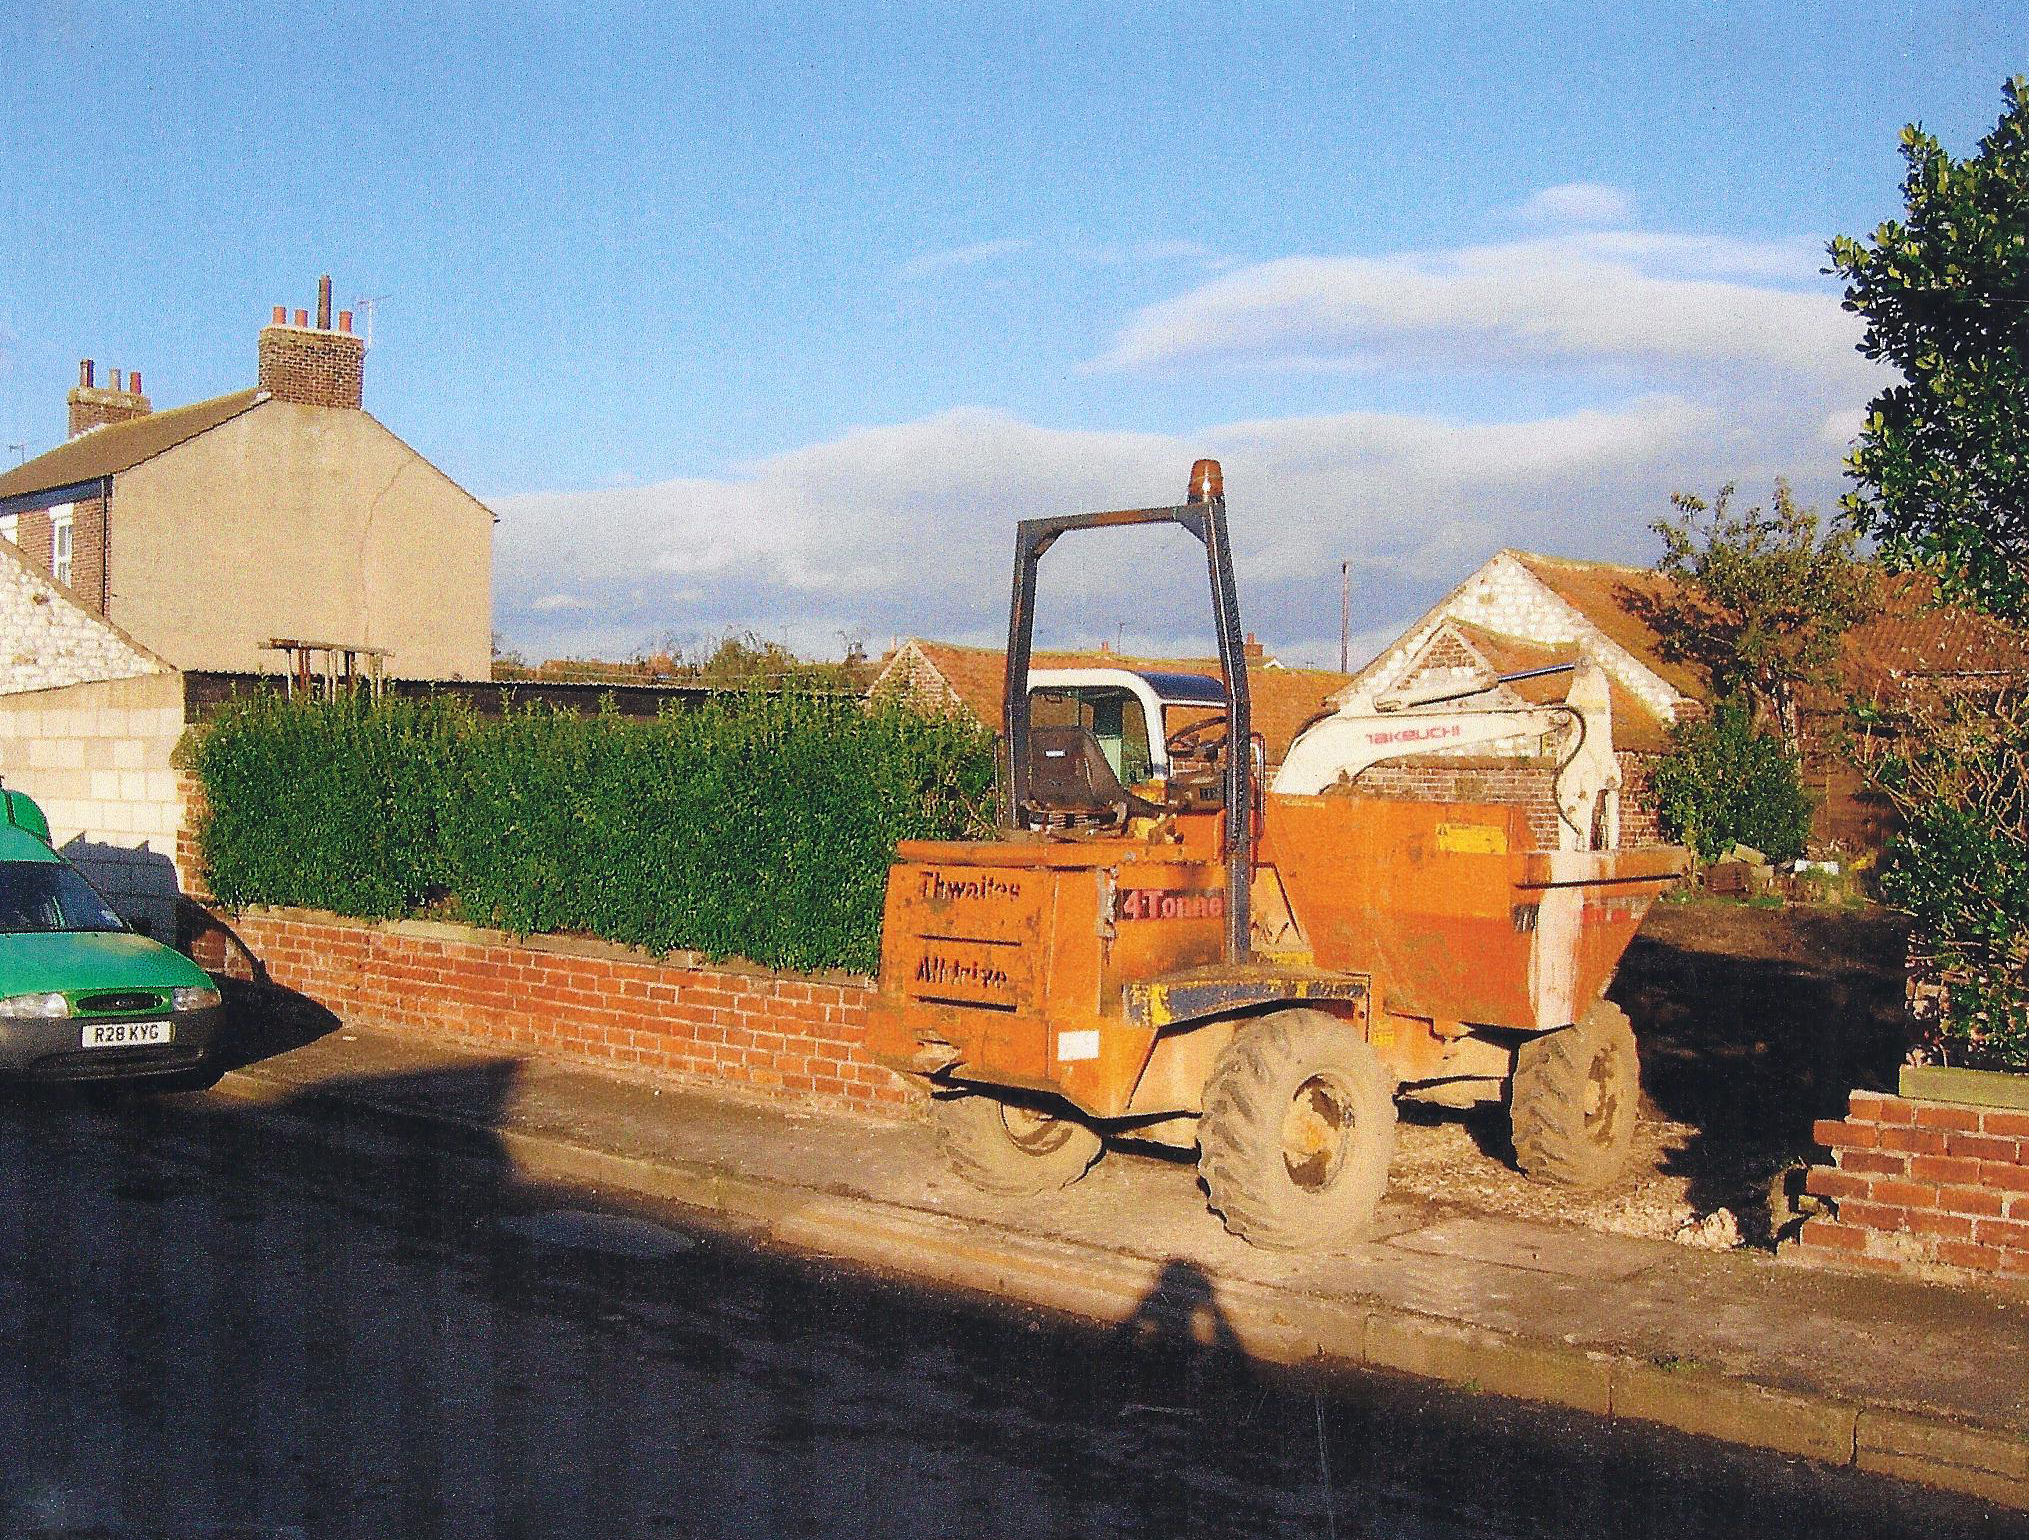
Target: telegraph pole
x=1345, y=616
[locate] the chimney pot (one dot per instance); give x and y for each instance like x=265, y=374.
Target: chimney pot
x=134, y=382
x=324, y=303
x=85, y=370
x=303, y=318
x=281, y=316
x=345, y=320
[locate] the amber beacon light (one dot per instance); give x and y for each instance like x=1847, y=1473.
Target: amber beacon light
x=1207, y=482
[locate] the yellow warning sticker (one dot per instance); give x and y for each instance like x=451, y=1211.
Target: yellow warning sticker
x=1473, y=839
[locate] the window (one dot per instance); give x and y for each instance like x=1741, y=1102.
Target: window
x=59, y=545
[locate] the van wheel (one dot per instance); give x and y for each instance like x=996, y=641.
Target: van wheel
x=1298, y=1130
x=1012, y=1147
x=1574, y=1100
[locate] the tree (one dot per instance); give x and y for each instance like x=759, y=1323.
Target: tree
x=1942, y=460
x=1758, y=599
x=1723, y=783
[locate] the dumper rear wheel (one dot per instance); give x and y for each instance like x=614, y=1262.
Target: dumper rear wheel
x=1574, y=1100
x=1012, y=1147
x=1298, y=1129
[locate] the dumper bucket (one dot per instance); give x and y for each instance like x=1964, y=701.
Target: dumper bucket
x=1453, y=912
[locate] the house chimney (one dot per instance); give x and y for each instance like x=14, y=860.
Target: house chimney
x=93, y=405
x=1252, y=650
x=312, y=365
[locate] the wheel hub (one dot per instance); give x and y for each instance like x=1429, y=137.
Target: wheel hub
x=1316, y=1131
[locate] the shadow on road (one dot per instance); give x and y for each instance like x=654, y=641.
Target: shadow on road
x=303, y=1318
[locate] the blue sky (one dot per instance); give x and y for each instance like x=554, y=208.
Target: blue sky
x=774, y=317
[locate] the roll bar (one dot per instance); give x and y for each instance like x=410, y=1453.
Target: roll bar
x=1204, y=515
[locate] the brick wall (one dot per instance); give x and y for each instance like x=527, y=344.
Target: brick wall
x=316, y=368
x=783, y=1036
x=1638, y=822
x=1486, y=779
x=88, y=552
x=1922, y=1187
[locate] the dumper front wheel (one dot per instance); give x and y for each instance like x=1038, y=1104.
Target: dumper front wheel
x=1574, y=1100
x=1298, y=1129
x=1010, y=1147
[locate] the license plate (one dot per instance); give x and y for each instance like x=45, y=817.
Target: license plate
x=125, y=1034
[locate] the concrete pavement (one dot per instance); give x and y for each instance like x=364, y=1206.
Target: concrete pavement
x=1912, y=1380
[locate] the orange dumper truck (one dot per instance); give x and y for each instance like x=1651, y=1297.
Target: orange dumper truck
x=1159, y=945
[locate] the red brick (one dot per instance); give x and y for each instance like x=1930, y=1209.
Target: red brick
x=1919, y=1141
x=1955, y=1227
x=2004, y=1123
x=1985, y=1147
x=2002, y=1232
x=1881, y=1216
x=1888, y=1189
x=1965, y=1254
x=1826, y=1182
x=1976, y=1200
x=1947, y=1115
x=1837, y=1134
x=1872, y=1107
x=1874, y=1162
x=1944, y=1168
x=2004, y=1176
x=1830, y=1235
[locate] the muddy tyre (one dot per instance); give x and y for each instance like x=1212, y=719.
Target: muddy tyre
x=1010, y=1147
x=1575, y=1098
x=1298, y=1130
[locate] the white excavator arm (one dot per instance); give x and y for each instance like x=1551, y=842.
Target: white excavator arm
x=1367, y=730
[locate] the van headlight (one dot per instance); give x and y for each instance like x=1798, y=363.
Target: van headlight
x=194, y=997
x=37, y=1007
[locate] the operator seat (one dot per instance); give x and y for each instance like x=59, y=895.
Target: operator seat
x=1069, y=775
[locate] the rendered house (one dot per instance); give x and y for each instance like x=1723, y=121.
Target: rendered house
x=154, y=552
x=281, y=511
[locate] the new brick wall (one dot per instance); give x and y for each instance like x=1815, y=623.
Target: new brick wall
x=782, y=1036
x=1489, y=779
x=1922, y=1187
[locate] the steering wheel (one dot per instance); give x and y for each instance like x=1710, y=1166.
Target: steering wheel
x=1197, y=740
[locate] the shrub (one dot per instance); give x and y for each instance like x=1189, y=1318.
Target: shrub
x=756, y=825
x=1723, y=783
x=1959, y=869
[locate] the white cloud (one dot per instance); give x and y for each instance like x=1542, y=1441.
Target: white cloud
x=1704, y=360
x=932, y=262
x=906, y=529
x=1601, y=299
x=1577, y=203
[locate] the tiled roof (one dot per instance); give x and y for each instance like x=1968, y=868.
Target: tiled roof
x=1615, y=599
x=1283, y=699
x=120, y=446
x=1910, y=642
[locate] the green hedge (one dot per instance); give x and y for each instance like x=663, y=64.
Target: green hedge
x=757, y=826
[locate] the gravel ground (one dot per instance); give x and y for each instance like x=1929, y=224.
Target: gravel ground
x=1753, y=1022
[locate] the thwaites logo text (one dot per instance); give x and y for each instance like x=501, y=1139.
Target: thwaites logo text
x=1416, y=735
x=1168, y=904
x=975, y=887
